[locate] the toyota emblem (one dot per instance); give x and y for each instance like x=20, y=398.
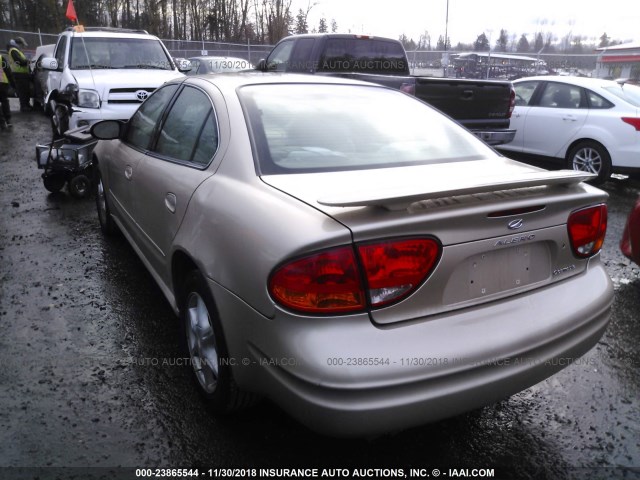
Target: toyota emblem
x=515, y=224
x=142, y=95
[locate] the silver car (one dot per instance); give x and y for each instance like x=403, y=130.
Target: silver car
x=211, y=64
x=349, y=252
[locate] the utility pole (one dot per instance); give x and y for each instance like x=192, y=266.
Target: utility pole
x=445, y=57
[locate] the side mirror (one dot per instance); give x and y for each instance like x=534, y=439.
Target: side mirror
x=49, y=63
x=107, y=129
x=262, y=65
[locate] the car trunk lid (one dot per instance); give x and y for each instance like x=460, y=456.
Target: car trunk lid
x=501, y=233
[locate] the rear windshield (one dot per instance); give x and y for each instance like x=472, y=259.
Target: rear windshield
x=363, y=55
x=96, y=52
x=628, y=92
x=321, y=128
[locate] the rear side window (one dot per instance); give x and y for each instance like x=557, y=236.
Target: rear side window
x=363, y=55
x=597, y=101
x=560, y=95
x=301, y=58
x=189, y=133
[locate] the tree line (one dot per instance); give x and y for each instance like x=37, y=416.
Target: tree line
x=255, y=21
x=241, y=21
x=540, y=42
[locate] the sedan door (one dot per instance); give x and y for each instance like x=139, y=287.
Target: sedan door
x=555, y=120
x=124, y=156
x=170, y=173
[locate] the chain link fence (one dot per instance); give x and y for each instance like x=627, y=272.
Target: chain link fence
x=177, y=48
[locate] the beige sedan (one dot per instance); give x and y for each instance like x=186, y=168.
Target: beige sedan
x=350, y=253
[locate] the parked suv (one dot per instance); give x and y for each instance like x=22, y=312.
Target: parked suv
x=105, y=72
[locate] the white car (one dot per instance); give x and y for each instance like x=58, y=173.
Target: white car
x=107, y=72
x=590, y=124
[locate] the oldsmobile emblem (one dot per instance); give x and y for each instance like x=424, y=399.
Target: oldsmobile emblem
x=142, y=95
x=515, y=224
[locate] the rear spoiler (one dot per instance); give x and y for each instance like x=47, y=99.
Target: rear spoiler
x=401, y=198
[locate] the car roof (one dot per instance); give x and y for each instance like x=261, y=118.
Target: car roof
x=212, y=57
x=111, y=34
x=589, y=82
x=233, y=80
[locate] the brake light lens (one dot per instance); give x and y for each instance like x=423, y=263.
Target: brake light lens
x=633, y=121
x=343, y=281
x=394, y=269
x=328, y=282
x=512, y=102
x=587, y=229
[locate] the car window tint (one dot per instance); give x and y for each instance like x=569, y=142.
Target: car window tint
x=143, y=122
x=297, y=129
x=184, y=125
x=524, y=92
x=301, y=55
x=363, y=55
x=560, y=95
x=279, y=58
x=597, y=101
x=208, y=142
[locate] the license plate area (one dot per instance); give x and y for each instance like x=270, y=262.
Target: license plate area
x=495, y=272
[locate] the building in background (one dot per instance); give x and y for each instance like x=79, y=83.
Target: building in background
x=619, y=61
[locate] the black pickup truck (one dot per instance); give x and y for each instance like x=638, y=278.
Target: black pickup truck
x=483, y=106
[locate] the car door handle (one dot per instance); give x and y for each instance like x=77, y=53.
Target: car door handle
x=569, y=117
x=128, y=172
x=170, y=201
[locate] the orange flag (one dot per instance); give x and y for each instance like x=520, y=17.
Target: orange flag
x=71, y=12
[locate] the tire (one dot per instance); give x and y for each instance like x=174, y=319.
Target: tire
x=53, y=183
x=592, y=157
x=107, y=225
x=204, y=342
x=79, y=186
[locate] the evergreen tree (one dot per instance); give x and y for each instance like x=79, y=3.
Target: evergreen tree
x=322, y=26
x=523, y=44
x=481, y=44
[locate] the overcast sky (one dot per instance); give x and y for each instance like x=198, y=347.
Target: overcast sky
x=620, y=19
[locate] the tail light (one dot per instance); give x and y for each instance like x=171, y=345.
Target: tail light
x=408, y=88
x=587, y=228
x=394, y=269
x=344, y=280
x=633, y=121
x=512, y=102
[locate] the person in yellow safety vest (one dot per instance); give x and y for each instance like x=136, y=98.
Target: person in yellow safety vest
x=20, y=67
x=6, y=79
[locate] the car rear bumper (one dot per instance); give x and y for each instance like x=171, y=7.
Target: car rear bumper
x=347, y=377
x=495, y=137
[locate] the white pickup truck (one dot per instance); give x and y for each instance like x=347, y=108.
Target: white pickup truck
x=105, y=73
